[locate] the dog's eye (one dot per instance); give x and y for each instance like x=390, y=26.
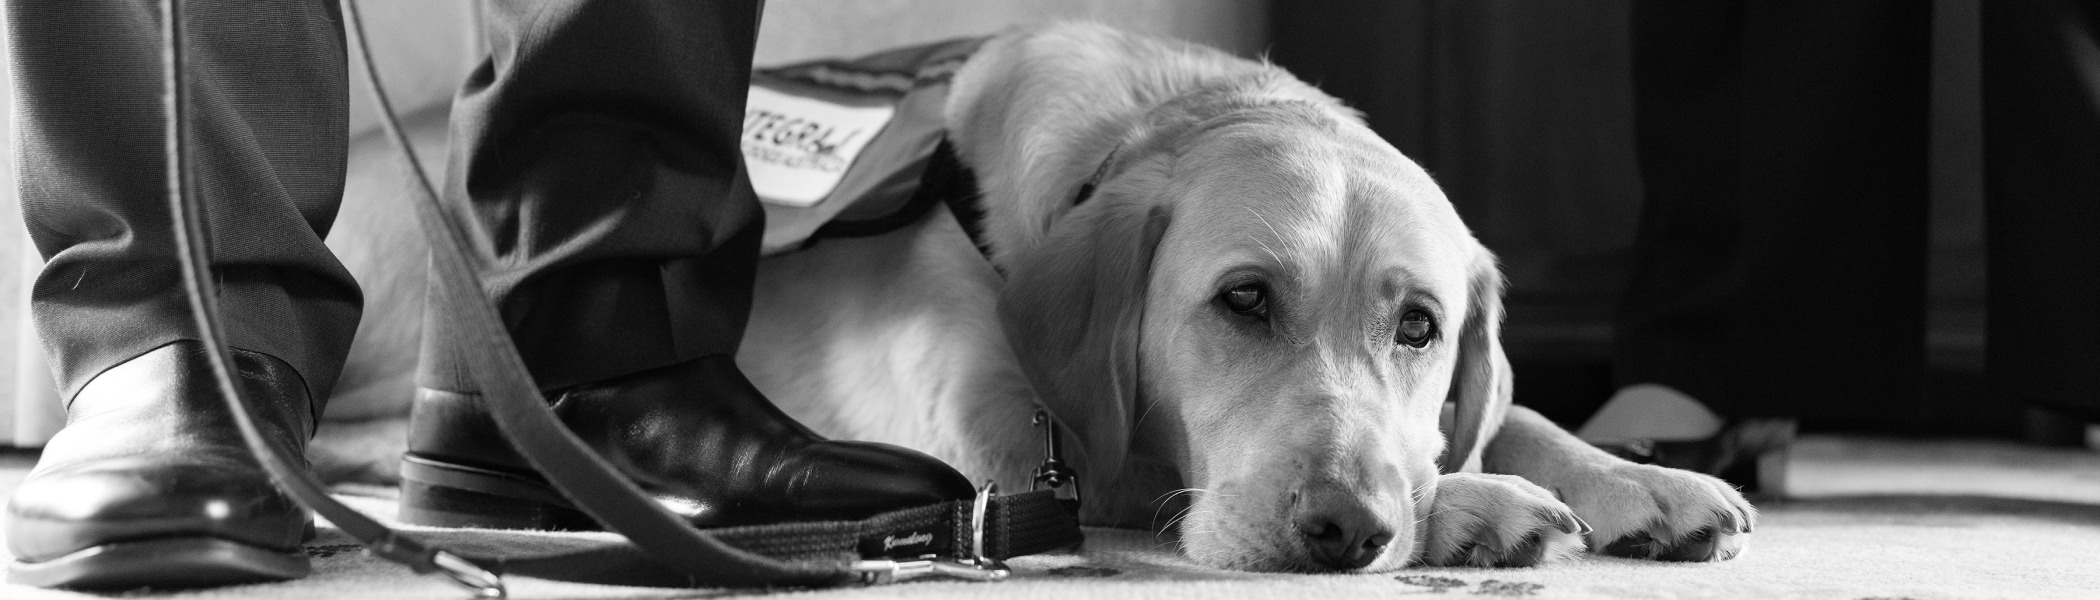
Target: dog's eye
x=1248, y=300
x=1416, y=328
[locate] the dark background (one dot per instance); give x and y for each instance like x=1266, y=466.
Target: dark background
x=1523, y=112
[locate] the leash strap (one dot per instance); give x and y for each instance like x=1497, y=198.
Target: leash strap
x=663, y=550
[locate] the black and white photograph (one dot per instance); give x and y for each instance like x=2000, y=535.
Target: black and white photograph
x=1057, y=299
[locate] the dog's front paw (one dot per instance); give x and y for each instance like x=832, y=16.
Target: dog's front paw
x=1659, y=513
x=1485, y=520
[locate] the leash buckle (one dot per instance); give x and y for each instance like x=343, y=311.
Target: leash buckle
x=1061, y=478
x=975, y=567
x=485, y=585
x=882, y=571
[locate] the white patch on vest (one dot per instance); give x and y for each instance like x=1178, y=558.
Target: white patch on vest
x=797, y=148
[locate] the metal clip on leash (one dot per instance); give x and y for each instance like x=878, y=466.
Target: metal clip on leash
x=1054, y=474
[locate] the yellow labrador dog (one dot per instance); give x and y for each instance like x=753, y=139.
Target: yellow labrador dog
x=1252, y=325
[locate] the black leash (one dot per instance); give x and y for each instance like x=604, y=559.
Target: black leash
x=973, y=535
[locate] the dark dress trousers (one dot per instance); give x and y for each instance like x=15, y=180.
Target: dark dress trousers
x=268, y=113
x=595, y=152
x=597, y=148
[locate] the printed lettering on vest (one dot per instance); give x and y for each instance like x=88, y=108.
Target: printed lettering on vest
x=797, y=148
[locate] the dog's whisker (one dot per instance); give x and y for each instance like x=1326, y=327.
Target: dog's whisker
x=1426, y=516
x=1168, y=497
x=1185, y=513
x=1178, y=515
x=1163, y=529
x=1145, y=413
x=1162, y=498
x=1272, y=230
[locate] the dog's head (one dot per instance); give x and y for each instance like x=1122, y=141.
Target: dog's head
x=1269, y=298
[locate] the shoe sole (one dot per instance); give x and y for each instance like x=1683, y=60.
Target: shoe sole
x=163, y=563
x=441, y=494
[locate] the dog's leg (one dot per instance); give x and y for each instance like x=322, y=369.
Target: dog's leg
x=1638, y=511
x=1481, y=520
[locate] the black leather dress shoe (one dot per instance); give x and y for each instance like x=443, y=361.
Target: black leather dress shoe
x=150, y=484
x=696, y=435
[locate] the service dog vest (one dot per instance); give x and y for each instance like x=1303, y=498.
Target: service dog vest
x=849, y=148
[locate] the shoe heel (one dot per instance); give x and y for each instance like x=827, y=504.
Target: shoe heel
x=439, y=495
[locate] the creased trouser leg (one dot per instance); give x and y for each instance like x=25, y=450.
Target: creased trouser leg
x=596, y=151
x=268, y=116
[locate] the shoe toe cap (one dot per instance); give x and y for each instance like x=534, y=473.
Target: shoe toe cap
x=63, y=510
x=843, y=479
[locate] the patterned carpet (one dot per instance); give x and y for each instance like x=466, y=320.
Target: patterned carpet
x=1871, y=518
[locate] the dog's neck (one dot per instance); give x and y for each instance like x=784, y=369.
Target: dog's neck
x=966, y=201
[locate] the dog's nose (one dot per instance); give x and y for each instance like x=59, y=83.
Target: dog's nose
x=1340, y=532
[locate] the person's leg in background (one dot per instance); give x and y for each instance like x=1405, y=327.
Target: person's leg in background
x=2041, y=101
x=1780, y=259
x=597, y=150
x=149, y=483
x=1688, y=87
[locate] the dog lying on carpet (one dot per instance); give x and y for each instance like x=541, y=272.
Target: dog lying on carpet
x=1251, y=321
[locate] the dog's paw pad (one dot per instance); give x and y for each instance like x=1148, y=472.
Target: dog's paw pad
x=1532, y=551
x=1499, y=521
x=1656, y=513
x=1705, y=545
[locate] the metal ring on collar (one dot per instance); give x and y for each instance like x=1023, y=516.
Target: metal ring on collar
x=977, y=510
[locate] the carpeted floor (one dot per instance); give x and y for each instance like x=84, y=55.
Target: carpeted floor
x=1871, y=518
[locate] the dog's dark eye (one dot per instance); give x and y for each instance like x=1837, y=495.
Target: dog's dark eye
x=1416, y=328
x=1248, y=300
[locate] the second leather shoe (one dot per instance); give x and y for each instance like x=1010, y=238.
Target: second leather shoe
x=150, y=484
x=696, y=435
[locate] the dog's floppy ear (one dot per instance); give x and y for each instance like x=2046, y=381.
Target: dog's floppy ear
x=1073, y=309
x=1480, y=386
